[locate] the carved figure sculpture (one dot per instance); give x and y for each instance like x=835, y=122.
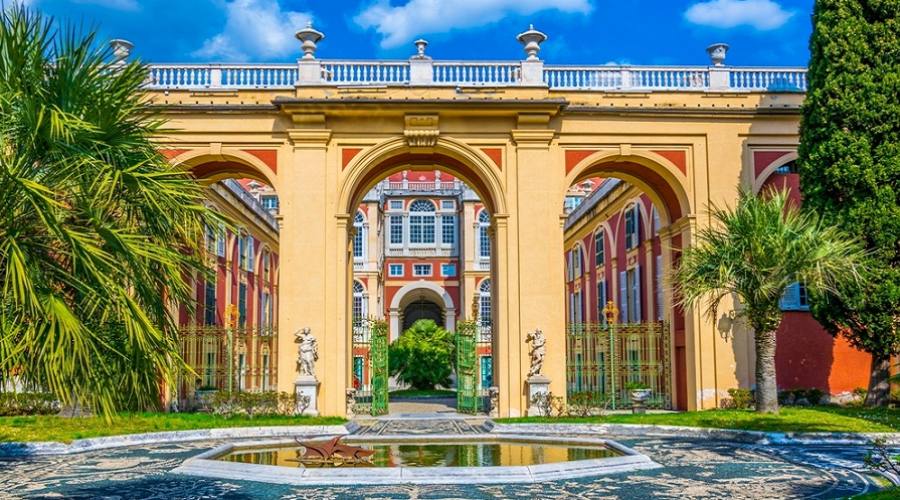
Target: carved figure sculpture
x=537, y=351
x=351, y=402
x=494, y=393
x=307, y=352
x=333, y=451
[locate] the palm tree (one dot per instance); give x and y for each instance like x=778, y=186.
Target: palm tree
x=753, y=253
x=97, y=231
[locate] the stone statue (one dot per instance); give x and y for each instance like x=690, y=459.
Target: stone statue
x=307, y=352
x=537, y=351
x=351, y=402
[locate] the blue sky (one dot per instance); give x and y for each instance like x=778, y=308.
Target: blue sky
x=760, y=32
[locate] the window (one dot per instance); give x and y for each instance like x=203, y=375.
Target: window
x=396, y=229
x=220, y=241
x=659, y=290
x=570, y=265
x=421, y=269
x=242, y=305
x=209, y=303
x=359, y=302
x=602, y=298
x=448, y=205
x=448, y=229
x=795, y=298
x=395, y=270
x=576, y=259
x=358, y=363
x=241, y=371
x=787, y=168
x=421, y=222
x=242, y=251
x=599, y=248
x=266, y=263
x=572, y=203
x=576, y=314
x=632, y=294
x=395, y=204
x=656, y=223
x=359, y=236
x=265, y=320
x=448, y=270
x=210, y=239
x=632, y=227
x=484, y=303
x=484, y=240
x=269, y=202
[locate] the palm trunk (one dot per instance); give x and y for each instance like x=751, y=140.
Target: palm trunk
x=766, y=387
x=879, y=388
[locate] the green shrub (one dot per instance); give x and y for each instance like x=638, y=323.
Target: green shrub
x=423, y=356
x=586, y=403
x=253, y=403
x=13, y=404
x=740, y=399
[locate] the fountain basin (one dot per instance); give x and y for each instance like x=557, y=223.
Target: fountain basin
x=425, y=459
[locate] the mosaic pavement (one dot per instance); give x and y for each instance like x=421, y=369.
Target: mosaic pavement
x=693, y=469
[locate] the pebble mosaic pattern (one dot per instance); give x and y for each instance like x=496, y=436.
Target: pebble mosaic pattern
x=692, y=469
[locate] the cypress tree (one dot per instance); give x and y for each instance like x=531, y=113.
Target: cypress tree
x=850, y=167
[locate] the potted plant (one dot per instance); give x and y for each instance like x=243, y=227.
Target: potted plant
x=640, y=393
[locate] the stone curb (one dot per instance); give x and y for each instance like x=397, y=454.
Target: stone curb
x=742, y=436
x=18, y=449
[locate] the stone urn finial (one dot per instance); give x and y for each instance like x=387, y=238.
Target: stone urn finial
x=717, y=53
x=121, y=49
x=420, y=49
x=309, y=37
x=531, y=41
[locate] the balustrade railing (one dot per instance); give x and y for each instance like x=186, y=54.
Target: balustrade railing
x=474, y=73
x=424, y=185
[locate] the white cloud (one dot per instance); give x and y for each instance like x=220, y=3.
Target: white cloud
x=760, y=14
x=255, y=28
x=403, y=23
x=113, y=4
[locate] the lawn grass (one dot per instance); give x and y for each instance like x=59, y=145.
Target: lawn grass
x=885, y=494
x=429, y=393
x=790, y=419
x=66, y=429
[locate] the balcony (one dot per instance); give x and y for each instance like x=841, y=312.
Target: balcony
x=424, y=186
x=419, y=252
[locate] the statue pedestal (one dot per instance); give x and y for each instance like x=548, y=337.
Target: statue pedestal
x=537, y=384
x=307, y=385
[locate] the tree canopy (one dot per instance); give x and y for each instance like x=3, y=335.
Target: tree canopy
x=423, y=355
x=98, y=232
x=850, y=166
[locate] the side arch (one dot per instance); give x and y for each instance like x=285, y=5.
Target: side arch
x=418, y=286
x=655, y=175
x=225, y=163
x=767, y=172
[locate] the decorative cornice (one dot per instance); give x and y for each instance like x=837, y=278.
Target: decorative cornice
x=535, y=138
x=310, y=137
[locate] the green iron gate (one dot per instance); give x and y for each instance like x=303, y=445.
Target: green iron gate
x=468, y=399
x=370, y=366
x=379, y=368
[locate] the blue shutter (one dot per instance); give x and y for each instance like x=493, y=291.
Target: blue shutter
x=659, y=297
x=790, y=301
x=623, y=297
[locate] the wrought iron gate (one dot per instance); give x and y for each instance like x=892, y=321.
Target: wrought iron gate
x=468, y=399
x=370, y=366
x=604, y=360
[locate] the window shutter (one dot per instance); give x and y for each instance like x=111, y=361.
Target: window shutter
x=623, y=297
x=636, y=314
x=659, y=285
x=790, y=301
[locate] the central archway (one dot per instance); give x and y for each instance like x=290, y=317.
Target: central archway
x=420, y=291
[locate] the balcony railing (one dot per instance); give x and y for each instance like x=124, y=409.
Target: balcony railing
x=424, y=185
x=474, y=74
x=420, y=252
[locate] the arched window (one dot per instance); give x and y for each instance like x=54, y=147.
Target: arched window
x=421, y=222
x=484, y=303
x=577, y=260
x=599, y=248
x=484, y=239
x=632, y=226
x=359, y=236
x=359, y=302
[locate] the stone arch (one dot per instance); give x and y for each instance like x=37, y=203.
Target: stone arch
x=655, y=175
x=225, y=163
x=608, y=233
x=767, y=172
x=394, y=155
x=432, y=290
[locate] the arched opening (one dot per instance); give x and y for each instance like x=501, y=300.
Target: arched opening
x=433, y=246
x=229, y=333
x=623, y=225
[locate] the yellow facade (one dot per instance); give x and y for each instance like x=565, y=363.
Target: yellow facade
x=334, y=143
